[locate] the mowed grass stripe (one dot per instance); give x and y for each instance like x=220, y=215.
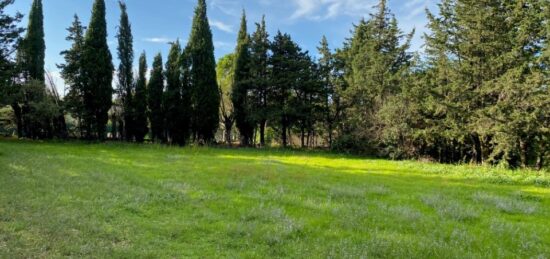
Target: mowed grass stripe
x=122, y=200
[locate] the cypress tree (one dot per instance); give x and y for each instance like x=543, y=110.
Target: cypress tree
x=32, y=50
x=98, y=73
x=241, y=86
x=259, y=48
x=205, y=97
x=125, y=71
x=177, y=120
x=155, y=91
x=139, y=105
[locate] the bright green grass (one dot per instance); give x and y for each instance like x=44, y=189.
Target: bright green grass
x=119, y=200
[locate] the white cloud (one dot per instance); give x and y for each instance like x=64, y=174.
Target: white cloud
x=221, y=26
x=223, y=45
x=158, y=40
x=325, y=9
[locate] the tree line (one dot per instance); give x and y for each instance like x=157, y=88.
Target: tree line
x=478, y=93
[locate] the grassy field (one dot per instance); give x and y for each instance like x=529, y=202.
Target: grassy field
x=128, y=201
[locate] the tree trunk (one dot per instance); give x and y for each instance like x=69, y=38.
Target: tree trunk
x=262, y=133
x=283, y=132
x=18, y=118
x=523, y=153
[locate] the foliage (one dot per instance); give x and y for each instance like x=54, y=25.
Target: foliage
x=205, y=96
x=125, y=89
x=140, y=102
x=97, y=73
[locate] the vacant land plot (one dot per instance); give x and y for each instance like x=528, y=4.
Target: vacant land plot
x=118, y=200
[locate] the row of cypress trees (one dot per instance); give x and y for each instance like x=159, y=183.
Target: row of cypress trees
x=180, y=101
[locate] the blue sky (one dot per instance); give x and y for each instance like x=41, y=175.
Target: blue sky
x=155, y=23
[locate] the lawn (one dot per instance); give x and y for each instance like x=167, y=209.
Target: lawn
x=126, y=201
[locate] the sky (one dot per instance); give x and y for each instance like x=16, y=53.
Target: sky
x=156, y=23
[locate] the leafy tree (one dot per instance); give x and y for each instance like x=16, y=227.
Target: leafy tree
x=155, y=91
x=125, y=74
x=9, y=39
x=98, y=73
x=259, y=68
x=241, y=86
x=205, y=97
x=225, y=73
x=140, y=102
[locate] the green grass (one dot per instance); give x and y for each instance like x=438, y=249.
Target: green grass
x=128, y=201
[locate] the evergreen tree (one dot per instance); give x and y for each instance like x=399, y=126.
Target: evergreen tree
x=9, y=37
x=176, y=101
x=376, y=61
x=155, y=91
x=32, y=50
x=98, y=73
x=205, y=97
x=284, y=77
x=139, y=106
x=71, y=72
x=329, y=93
x=125, y=72
x=259, y=49
x=241, y=86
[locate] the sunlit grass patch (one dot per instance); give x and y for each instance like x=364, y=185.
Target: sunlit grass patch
x=511, y=205
x=121, y=200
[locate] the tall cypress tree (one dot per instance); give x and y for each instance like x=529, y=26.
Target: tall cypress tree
x=259, y=49
x=176, y=119
x=155, y=91
x=125, y=71
x=205, y=97
x=33, y=47
x=98, y=73
x=241, y=86
x=139, y=104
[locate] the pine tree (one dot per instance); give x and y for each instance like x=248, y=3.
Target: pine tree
x=241, y=86
x=125, y=74
x=71, y=72
x=284, y=77
x=32, y=50
x=327, y=79
x=98, y=73
x=259, y=49
x=155, y=91
x=205, y=97
x=139, y=105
